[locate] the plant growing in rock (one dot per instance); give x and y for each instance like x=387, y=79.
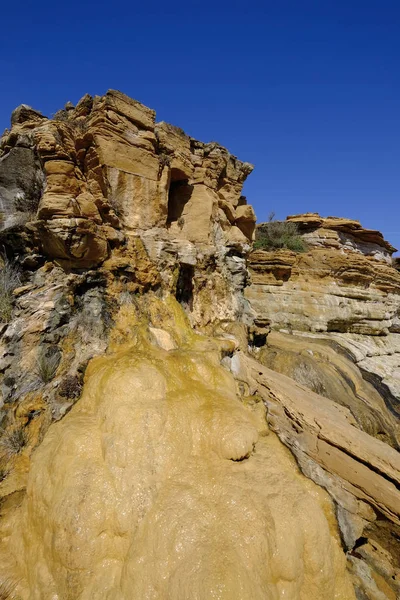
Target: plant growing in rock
x=70, y=387
x=7, y=588
x=61, y=115
x=9, y=280
x=12, y=442
x=164, y=161
x=279, y=234
x=46, y=366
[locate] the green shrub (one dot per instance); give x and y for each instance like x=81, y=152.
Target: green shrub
x=9, y=280
x=279, y=234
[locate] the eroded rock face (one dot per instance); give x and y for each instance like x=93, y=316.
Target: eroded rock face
x=160, y=483
x=361, y=473
x=319, y=364
x=338, y=290
x=325, y=290
x=21, y=182
x=142, y=446
x=108, y=172
x=107, y=161
x=343, y=234
x=328, y=319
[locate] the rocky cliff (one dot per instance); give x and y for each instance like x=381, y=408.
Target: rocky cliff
x=328, y=318
x=167, y=429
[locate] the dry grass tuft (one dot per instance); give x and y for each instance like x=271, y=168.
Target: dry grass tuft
x=12, y=443
x=9, y=280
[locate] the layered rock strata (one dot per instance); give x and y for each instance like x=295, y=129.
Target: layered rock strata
x=104, y=171
x=328, y=319
x=361, y=474
x=142, y=447
x=344, y=282
x=343, y=234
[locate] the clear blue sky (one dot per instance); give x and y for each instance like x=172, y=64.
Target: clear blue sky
x=308, y=91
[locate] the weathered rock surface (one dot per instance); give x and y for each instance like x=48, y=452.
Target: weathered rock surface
x=160, y=483
x=325, y=290
x=107, y=161
x=361, y=473
x=132, y=463
x=343, y=234
x=108, y=171
x=318, y=364
x=329, y=319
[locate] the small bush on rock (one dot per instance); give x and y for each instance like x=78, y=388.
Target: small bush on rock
x=46, y=366
x=70, y=387
x=12, y=443
x=279, y=234
x=7, y=588
x=9, y=280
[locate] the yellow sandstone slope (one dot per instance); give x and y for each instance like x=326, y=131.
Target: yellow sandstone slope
x=164, y=483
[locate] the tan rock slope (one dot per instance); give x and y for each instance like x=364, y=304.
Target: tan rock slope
x=330, y=319
x=159, y=441
x=160, y=483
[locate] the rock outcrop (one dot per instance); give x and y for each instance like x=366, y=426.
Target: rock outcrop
x=158, y=439
x=344, y=283
x=104, y=171
x=160, y=483
x=343, y=234
x=362, y=474
x=328, y=318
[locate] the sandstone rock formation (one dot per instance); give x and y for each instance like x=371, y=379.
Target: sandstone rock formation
x=360, y=472
x=104, y=171
x=343, y=234
x=158, y=439
x=329, y=318
x=344, y=283
x=160, y=483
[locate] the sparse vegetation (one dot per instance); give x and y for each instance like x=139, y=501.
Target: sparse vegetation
x=179, y=130
x=164, y=161
x=46, y=366
x=80, y=124
x=127, y=297
x=70, y=387
x=279, y=234
x=11, y=443
x=66, y=116
x=7, y=588
x=9, y=280
x=61, y=115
